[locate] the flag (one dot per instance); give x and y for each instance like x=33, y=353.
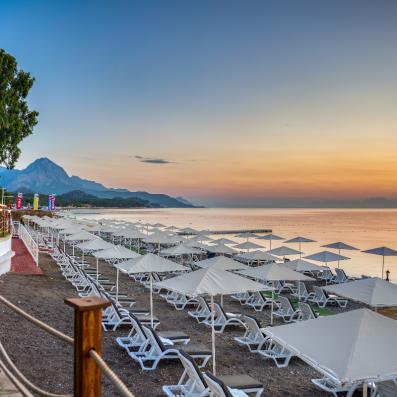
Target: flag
x=50, y=202
x=19, y=201
x=36, y=202
x=53, y=203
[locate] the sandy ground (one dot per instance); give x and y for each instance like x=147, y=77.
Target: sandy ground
x=48, y=362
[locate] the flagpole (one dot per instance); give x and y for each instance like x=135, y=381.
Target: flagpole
x=271, y=314
x=383, y=264
x=151, y=299
x=117, y=286
x=213, y=335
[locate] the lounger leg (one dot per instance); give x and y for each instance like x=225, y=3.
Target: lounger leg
x=258, y=393
x=120, y=322
x=351, y=391
x=283, y=361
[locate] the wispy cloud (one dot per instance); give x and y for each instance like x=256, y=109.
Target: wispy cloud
x=150, y=160
x=156, y=161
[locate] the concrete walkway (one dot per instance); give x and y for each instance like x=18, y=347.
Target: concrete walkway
x=22, y=262
x=7, y=388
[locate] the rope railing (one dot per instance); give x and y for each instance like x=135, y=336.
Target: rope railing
x=108, y=372
x=23, y=384
x=22, y=379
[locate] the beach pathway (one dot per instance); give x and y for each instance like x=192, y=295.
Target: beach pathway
x=22, y=262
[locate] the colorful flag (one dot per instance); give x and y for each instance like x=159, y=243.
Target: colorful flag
x=49, y=202
x=35, y=202
x=53, y=203
x=19, y=202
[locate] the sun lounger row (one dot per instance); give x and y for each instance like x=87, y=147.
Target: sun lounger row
x=143, y=343
x=284, y=309
x=148, y=347
x=86, y=284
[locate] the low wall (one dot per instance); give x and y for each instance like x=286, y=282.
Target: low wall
x=6, y=254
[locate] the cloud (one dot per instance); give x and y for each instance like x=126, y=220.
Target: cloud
x=156, y=161
x=150, y=160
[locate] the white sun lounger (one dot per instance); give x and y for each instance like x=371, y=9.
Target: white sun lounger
x=253, y=336
x=182, y=301
x=202, y=311
x=283, y=286
x=386, y=389
x=285, y=310
x=322, y=298
x=219, y=389
x=257, y=301
x=155, y=350
x=306, y=312
x=341, y=277
x=193, y=384
x=114, y=316
x=241, y=297
x=301, y=292
x=223, y=319
x=269, y=349
x=327, y=276
x=330, y=386
x=136, y=338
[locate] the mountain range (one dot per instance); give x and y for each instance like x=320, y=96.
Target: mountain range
x=44, y=176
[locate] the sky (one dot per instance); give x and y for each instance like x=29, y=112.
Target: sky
x=222, y=102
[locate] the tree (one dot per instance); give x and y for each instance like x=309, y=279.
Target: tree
x=16, y=120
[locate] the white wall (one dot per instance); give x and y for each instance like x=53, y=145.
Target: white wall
x=5, y=254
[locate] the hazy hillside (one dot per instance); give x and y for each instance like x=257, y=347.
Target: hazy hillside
x=44, y=176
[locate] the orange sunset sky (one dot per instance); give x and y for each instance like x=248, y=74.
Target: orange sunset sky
x=222, y=103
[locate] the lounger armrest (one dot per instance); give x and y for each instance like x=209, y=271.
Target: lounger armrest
x=233, y=314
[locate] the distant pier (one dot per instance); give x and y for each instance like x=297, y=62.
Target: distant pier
x=233, y=231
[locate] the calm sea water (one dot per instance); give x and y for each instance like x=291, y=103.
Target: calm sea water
x=361, y=228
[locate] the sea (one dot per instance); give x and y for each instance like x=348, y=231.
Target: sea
x=361, y=228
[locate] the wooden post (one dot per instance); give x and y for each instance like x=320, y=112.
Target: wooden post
x=87, y=336
x=365, y=389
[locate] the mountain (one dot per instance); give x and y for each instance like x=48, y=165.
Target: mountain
x=184, y=201
x=44, y=176
x=77, y=198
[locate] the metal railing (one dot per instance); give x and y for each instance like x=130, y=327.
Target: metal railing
x=15, y=228
x=29, y=242
x=41, y=237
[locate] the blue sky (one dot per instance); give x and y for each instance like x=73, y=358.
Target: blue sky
x=239, y=100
